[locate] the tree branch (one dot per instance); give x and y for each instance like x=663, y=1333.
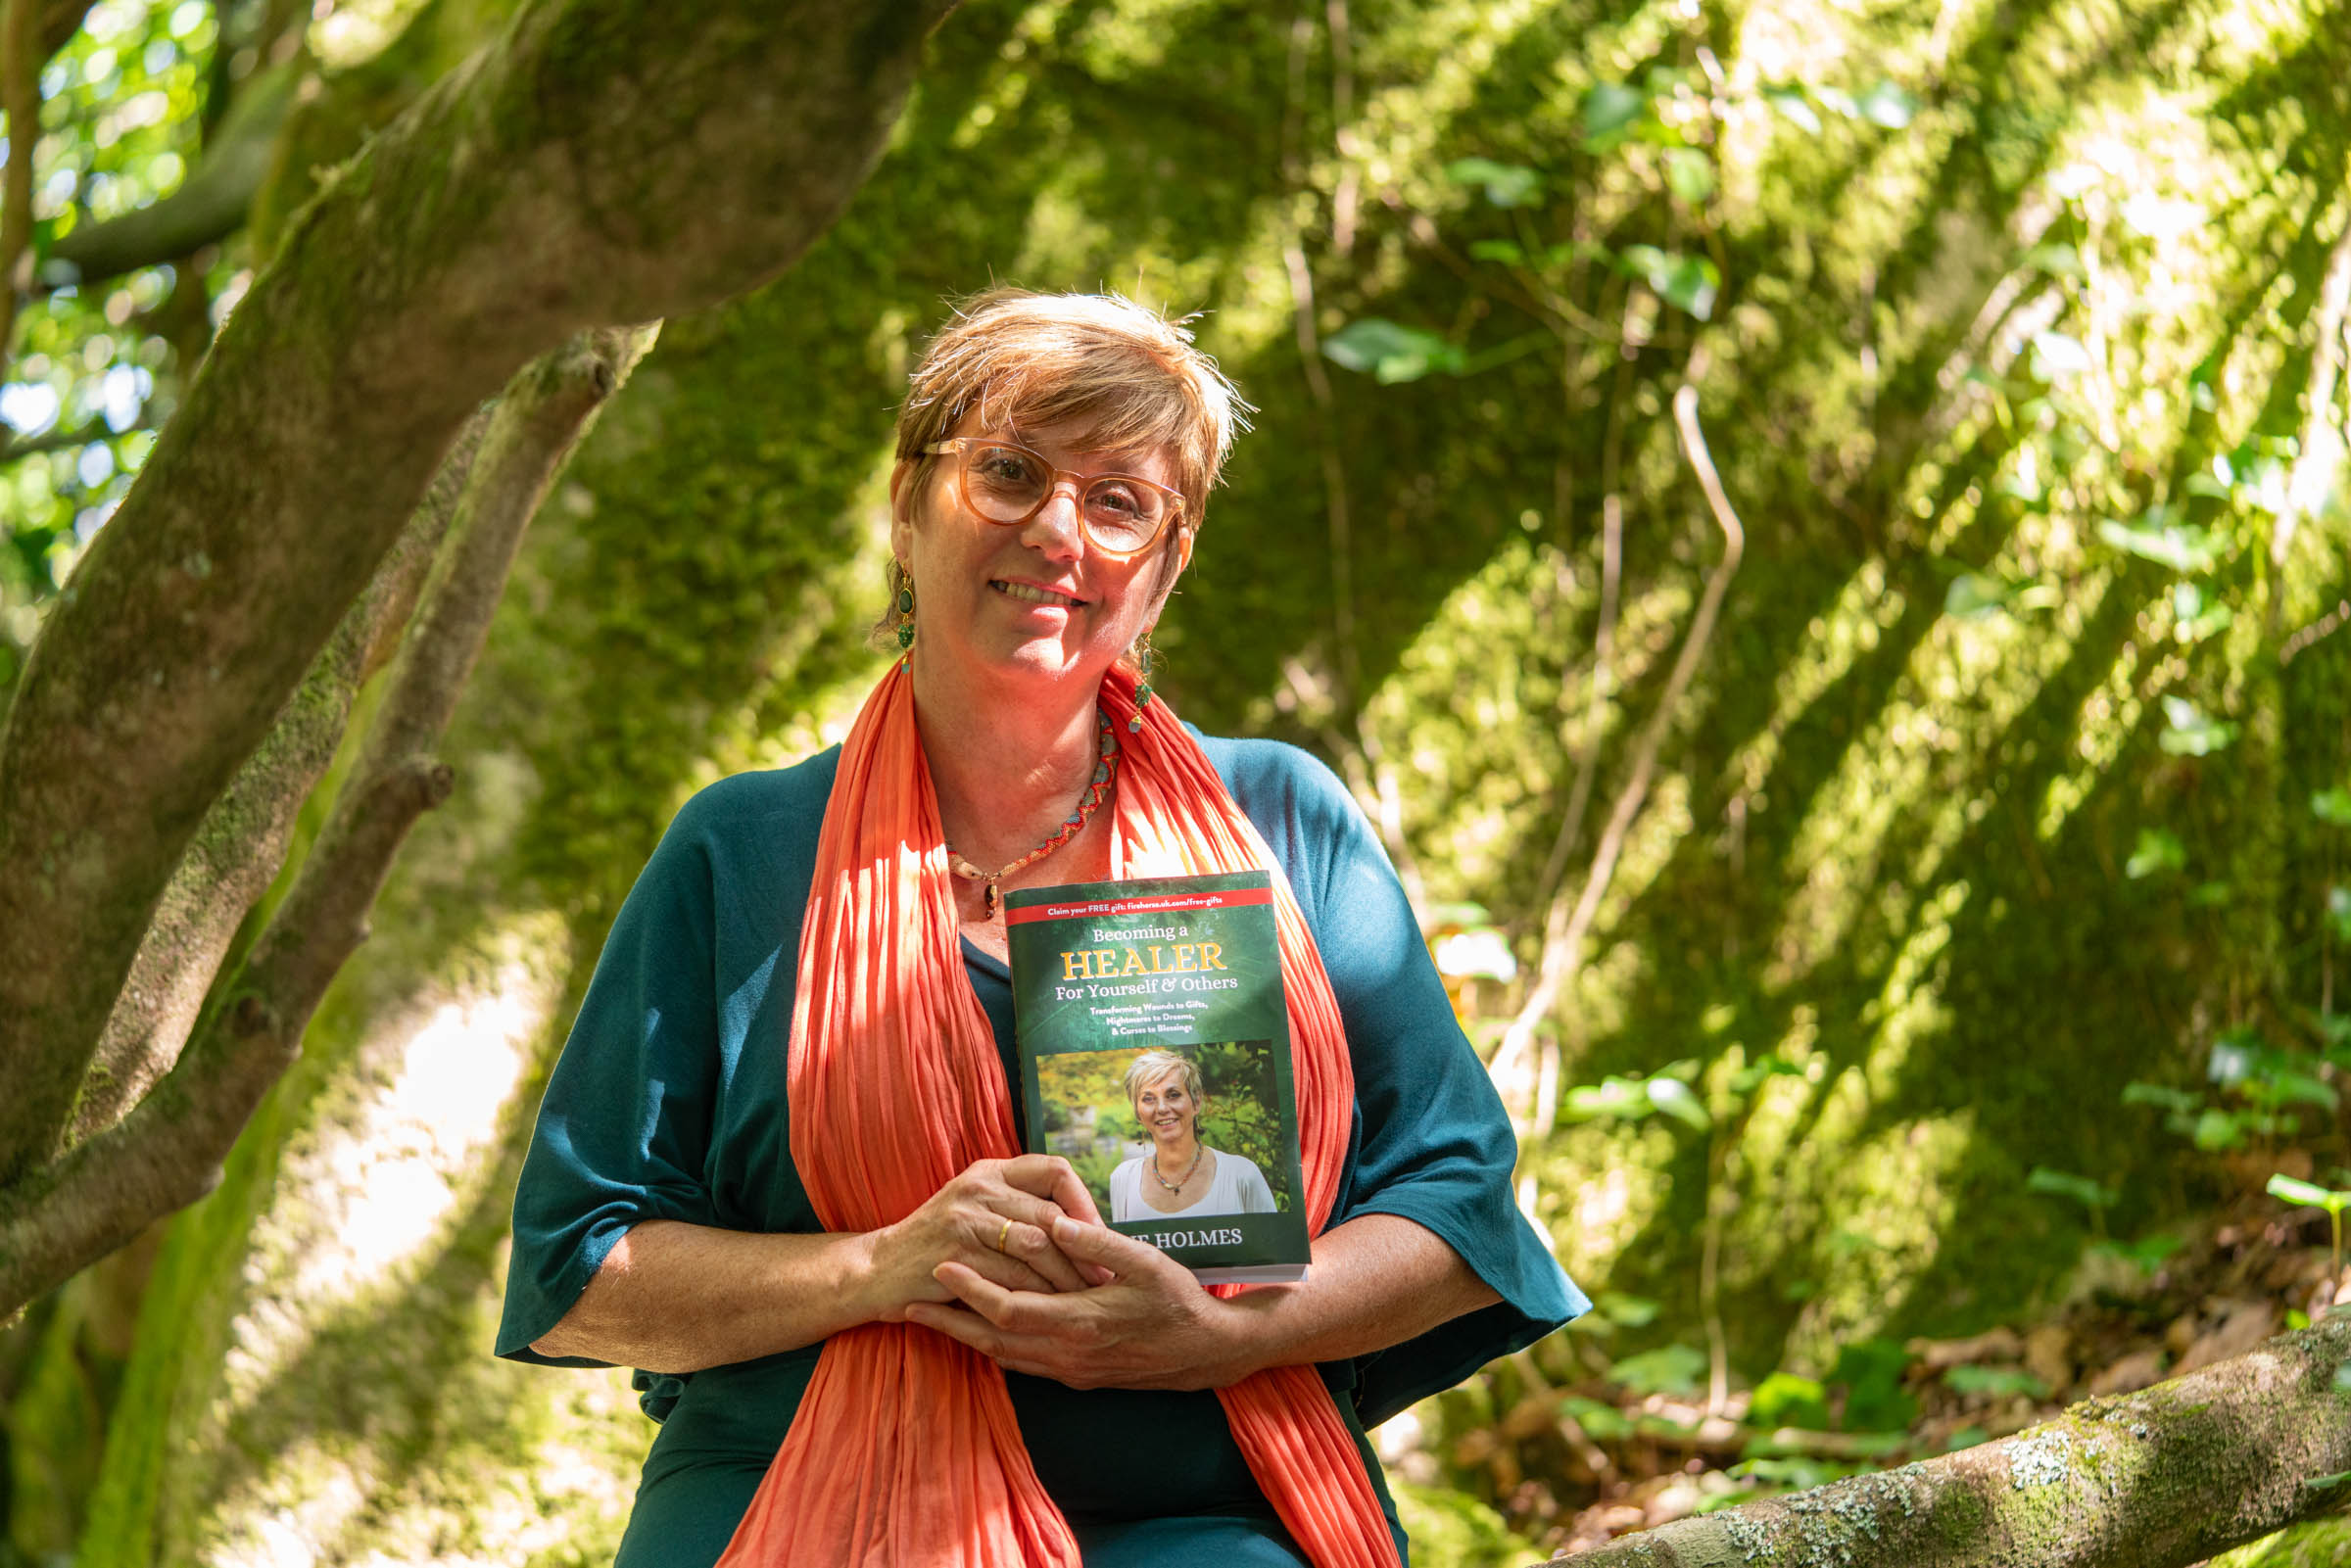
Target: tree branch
x=2160, y=1479
x=21, y=60
x=608, y=161
x=209, y=205
x=168, y=1150
x=237, y=852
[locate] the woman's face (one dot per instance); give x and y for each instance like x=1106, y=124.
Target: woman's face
x=1167, y=1109
x=1036, y=600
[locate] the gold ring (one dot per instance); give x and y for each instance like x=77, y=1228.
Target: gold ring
x=1001, y=1234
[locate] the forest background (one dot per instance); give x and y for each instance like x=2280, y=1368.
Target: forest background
x=1815, y=531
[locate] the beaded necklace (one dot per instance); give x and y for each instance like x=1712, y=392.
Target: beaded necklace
x=1097, y=790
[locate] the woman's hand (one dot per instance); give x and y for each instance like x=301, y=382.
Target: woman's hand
x=994, y=1222
x=1149, y=1326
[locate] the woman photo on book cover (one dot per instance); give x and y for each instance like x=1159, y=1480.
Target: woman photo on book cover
x=1180, y=1174
x=778, y=1166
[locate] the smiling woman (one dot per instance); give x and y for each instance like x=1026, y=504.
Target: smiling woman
x=778, y=1167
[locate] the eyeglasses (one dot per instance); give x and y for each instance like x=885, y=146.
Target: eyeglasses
x=1006, y=483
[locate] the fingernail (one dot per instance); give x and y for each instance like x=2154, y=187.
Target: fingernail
x=1065, y=1228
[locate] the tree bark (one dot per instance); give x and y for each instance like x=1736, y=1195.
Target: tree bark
x=492, y=221
x=2159, y=1479
x=168, y=1150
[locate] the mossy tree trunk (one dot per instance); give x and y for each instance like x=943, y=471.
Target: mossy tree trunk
x=2160, y=1479
x=1886, y=842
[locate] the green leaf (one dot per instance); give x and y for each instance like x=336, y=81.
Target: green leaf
x=1504, y=251
x=1687, y=281
x=1668, y=1369
x=1972, y=596
x=2180, y=547
x=2332, y=806
x=1673, y=1097
x=1610, y=110
x=1505, y=184
x=2339, y=910
x=1786, y=1400
x=1998, y=1382
x=1601, y=1422
x=2058, y=261
x=2146, y=1253
x=2217, y=1130
x=2064, y=1184
x=2189, y=732
x=1625, y=1098
x=2157, y=1094
x=2307, y=1194
x=1632, y=1311
x=1791, y=103
x=1871, y=1371
x=1390, y=353
x=1887, y=104
x=1690, y=174
x=2159, y=849
x=2056, y=356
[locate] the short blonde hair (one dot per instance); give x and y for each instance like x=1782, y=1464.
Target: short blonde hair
x=1118, y=374
x=1153, y=1066
x=1114, y=374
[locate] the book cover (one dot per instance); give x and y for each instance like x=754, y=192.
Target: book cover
x=1154, y=1058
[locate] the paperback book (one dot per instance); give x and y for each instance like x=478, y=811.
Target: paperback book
x=1154, y=1058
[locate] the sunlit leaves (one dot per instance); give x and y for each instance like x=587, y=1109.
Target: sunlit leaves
x=2181, y=546
x=2159, y=850
x=1796, y=106
x=1668, y=1369
x=1689, y=174
x=1689, y=282
x=1504, y=184
x=1390, y=353
x=2189, y=732
x=1611, y=111
x=2055, y=355
x=2064, y=1184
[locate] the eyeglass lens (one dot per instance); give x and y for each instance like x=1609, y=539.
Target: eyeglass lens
x=1007, y=485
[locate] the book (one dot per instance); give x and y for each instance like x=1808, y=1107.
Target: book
x=1155, y=1057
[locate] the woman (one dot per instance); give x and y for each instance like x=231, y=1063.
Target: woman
x=777, y=1169
x=1180, y=1175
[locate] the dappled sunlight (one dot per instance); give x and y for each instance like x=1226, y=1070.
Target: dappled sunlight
x=1894, y=1198
x=369, y=1186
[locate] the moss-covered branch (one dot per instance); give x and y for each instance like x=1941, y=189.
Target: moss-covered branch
x=2160, y=1479
x=168, y=1150
x=238, y=851
x=600, y=164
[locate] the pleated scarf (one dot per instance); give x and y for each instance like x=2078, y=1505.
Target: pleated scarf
x=905, y=1449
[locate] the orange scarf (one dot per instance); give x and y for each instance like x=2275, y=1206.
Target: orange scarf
x=905, y=1448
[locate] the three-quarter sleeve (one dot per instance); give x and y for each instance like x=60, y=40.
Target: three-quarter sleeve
x=624, y=1135
x=1433, y=1144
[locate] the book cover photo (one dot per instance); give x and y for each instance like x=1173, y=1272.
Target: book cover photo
x=1154, y=1058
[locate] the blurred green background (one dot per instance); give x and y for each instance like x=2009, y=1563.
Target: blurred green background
x=1985, y=892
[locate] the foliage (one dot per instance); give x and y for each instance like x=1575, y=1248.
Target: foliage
x=2006, y=324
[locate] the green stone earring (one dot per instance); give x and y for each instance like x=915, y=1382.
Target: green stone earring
x=1144, y=659
x=905, y=615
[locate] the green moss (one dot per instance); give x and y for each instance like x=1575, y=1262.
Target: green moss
x=1884, y=843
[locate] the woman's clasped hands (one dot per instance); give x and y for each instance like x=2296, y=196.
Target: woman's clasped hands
x=1012, y=1258
x=995, y=1219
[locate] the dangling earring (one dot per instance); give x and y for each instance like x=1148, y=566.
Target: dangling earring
x=1142, y=688
x=905, y=611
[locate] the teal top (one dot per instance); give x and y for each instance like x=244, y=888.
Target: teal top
x=669, y=1103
